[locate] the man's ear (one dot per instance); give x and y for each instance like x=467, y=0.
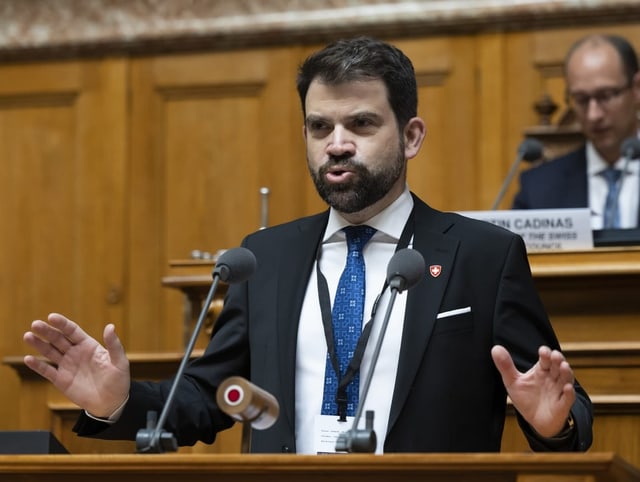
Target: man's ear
x=414, y=134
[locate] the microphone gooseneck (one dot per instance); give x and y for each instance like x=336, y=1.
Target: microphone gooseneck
x=630, y=148
x=529, y=150
x=629, y=151
x=233, y=266
x=405, y=269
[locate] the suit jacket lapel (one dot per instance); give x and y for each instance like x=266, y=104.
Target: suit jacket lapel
x=293, y=271
x=424, y=299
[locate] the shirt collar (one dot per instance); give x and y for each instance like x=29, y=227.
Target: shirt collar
x=388, y=223
x=596, y=164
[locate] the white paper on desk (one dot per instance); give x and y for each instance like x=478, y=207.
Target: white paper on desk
x=544, y=229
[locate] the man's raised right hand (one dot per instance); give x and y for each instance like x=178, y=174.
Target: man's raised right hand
x=94, y=377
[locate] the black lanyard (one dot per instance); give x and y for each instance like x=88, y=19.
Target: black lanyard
x=327, y=322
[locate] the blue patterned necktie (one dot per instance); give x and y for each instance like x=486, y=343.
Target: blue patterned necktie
x=347, y=313
x=611, y=217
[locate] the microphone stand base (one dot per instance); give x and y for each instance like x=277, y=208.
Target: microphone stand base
x=361, y=441
x=357, y=442
x=150, y=440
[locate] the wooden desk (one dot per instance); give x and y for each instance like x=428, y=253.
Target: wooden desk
x=609, y=372
x=601, y=342
x=591, y=296
x=593, y=467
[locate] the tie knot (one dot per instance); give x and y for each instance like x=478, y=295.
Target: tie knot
x=611, y=174
x=358, y=236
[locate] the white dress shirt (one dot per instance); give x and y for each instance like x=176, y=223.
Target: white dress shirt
x=628, y=197
x=312, y=346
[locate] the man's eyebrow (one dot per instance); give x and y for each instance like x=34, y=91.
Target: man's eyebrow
x=314, y=118
x=365, y=114
x=349, y=117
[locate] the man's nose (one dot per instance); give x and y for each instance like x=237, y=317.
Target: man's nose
x=340, y=142
x=594, y=109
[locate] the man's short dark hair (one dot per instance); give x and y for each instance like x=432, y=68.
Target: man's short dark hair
x=364, y=58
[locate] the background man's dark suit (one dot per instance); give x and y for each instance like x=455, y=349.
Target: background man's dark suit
x=448, y=395
x=560, y=183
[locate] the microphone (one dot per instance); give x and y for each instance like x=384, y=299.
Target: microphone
x=245, y=402
x=529, y=150
x=630, y=148
x=233, y=266
x=405, y=269
x=629, y=151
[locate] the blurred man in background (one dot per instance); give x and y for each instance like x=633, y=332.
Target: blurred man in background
x=603, y=89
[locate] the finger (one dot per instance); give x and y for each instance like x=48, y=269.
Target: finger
x=115, y=348
x=544, y=358
x=43, y=347
x=504, y=364
x=569, y=395
x=565, y=373
x=51, y=335
x=556, y=361
x=41, y=367
x=68, y=328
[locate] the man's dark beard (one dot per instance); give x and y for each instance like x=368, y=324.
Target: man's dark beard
x=367, y=188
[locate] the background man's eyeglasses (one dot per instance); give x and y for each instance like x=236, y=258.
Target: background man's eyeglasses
x=603, y=97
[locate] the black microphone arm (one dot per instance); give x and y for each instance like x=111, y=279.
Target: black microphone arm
x=630, y=148
x=629, y=151
x=529, y=150
x=406, y=268
x=233, y=266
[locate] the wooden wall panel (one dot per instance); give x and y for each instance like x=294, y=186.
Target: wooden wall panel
x=62, y=145
x=443, y=174
x=209, y=131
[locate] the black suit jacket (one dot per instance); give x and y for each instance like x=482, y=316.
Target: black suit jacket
x=560, y=183
x=448, y=395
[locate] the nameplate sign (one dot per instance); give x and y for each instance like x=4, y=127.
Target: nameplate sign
x=543, y=229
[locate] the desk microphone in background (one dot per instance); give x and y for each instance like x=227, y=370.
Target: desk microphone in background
x=233, y=266
x=529, y=150
x=629, y=151
x=405, y=269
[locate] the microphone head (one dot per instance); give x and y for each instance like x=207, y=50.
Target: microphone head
x=631, y=148
x=406, y=267
x=247, y=403
x=235, y=265
x=530, y=150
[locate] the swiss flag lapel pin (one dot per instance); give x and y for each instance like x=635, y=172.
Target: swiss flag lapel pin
x=435, y=270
